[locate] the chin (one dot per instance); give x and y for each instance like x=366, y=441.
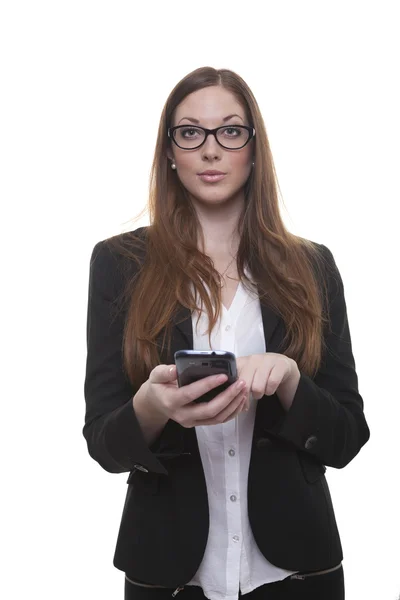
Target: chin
x=217, y=199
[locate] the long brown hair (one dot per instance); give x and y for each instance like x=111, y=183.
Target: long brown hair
x=282, y=265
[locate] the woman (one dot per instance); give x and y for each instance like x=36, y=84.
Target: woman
x=229, y=497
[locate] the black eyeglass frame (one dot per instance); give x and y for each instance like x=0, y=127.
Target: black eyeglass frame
x=251, y=131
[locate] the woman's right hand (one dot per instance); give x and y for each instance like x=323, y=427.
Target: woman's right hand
x=162, y=395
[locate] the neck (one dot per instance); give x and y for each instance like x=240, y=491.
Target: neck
x=220, y=231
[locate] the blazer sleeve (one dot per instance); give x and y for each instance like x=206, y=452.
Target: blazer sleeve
x=326, y=418
x=112, y=432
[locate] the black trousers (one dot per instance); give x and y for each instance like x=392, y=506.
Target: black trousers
x=328, y=586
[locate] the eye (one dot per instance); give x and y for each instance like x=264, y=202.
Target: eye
x=238, y=131
x=189, y=132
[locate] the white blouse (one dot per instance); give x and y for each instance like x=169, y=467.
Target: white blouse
x=232, y=558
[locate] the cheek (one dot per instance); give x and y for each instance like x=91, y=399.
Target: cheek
x=187, y=162
x=240, y=160
x=185, y=159
x=239, y=168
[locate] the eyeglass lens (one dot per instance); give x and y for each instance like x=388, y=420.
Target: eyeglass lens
x=230, y=137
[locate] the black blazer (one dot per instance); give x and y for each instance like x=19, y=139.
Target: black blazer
x=164, y=524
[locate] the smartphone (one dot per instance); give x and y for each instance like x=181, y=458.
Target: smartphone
x=192, y=365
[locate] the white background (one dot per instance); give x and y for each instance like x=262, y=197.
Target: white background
x=83, y=85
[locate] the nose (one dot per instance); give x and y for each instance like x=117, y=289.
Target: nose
x=211, y=147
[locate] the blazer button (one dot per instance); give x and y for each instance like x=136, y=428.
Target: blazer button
x=263, y=443
x=140, y=468
x=310, y=443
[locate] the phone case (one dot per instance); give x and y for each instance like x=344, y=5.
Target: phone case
x=192, y=365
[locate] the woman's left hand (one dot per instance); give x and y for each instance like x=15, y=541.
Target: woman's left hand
x=268, y=373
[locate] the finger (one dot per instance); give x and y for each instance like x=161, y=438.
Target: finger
x=209, y=410
x=163, y=374
x=259, y=384
x=231, y=415
x=224, y=400
x=172, y=372
x=275, y=378
x=233, y=409
x=192, y=391
x=247, y=373
x=240, y=408
x=246, y=403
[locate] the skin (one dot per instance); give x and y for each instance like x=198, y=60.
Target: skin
x=218, y=206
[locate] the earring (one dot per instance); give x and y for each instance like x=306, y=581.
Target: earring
x=253, y=163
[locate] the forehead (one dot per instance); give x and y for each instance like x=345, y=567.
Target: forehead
x=211, y=103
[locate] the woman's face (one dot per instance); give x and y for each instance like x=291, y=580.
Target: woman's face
x=210, y=106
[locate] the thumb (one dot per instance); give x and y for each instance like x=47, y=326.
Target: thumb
x=163, y=374
x=172, y=372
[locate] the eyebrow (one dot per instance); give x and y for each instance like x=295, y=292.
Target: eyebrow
x=196, y=121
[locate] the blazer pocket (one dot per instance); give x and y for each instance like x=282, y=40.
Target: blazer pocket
x=312, y=470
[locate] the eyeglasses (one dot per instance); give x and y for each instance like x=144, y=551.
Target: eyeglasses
x=231, y=137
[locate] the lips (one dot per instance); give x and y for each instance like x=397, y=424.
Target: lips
x=212, y=173
x=212, y=178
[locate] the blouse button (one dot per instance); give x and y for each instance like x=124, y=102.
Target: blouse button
x=231, y=453
x=233, y=498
